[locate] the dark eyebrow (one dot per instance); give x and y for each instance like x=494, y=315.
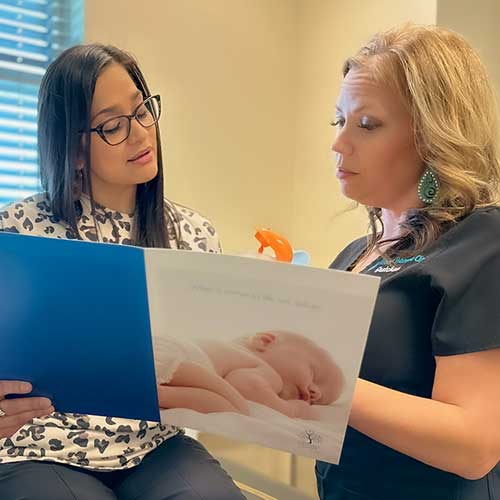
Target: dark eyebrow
x=116, y=108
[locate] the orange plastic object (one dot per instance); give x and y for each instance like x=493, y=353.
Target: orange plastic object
x=281, y=246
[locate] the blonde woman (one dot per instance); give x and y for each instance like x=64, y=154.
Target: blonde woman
x=416, y=144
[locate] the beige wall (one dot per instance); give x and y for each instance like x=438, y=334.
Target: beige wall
x=225, y=70
x=478, y=22
x=328, y=32
x=248, y=88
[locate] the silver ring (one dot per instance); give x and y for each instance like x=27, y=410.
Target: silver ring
x=2, y=413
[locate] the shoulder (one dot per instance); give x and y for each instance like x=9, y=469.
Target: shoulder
x=478, y=234
x=469, y=251
x=478, y=224
x=196, y=231
x=345, y=258
x=31, y=215
x=463, y=270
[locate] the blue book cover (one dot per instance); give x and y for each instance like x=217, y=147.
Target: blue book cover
x=95, y=326
x=74, y=321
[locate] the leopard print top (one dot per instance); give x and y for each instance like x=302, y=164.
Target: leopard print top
x=88, y=441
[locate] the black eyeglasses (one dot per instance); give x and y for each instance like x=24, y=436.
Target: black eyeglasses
x=117, y=129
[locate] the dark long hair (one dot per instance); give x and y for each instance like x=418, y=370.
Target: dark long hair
x=64, y=104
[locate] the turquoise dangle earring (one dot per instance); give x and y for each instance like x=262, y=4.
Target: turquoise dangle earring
x=428, y=186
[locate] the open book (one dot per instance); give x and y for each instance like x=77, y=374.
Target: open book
x=249, y=349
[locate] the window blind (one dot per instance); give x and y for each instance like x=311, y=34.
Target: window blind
x=32, y=34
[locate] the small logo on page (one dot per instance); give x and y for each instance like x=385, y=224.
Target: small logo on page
x=311, y=439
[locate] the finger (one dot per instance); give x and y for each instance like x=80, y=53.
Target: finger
x=21, y=405
x=14, y=387
x=9, y=432
x=17, y=421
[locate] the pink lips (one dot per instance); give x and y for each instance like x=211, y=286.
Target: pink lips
x=344, y=174
x=143, y=157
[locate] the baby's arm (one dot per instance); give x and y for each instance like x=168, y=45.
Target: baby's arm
x=192, y=398
x=195, y=387
x=253, y=384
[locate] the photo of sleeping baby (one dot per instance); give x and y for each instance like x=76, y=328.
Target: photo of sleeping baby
x=258, y=351
x=232, y=387
x=282, y=370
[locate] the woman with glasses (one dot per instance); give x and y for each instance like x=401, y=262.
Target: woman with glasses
x=102, y=178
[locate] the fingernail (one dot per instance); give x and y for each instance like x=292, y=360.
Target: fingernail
x=25, y=386
x=46, y=402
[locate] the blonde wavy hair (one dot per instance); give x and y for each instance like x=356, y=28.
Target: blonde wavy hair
x=453, y=107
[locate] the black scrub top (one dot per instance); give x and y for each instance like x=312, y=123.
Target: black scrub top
x=441, y=302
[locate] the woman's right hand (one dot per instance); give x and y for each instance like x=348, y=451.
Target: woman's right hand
x=17, y=412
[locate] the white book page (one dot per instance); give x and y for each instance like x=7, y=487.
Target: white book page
x=196, y=296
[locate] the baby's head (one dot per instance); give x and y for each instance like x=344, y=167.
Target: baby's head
x=308, y=371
